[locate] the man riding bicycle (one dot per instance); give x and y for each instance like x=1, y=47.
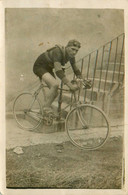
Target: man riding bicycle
x=56, y=58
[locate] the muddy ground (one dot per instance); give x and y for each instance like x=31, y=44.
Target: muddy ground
x=64, y=166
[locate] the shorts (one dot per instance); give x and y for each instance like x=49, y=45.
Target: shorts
x=41, y=66
x=40, y=71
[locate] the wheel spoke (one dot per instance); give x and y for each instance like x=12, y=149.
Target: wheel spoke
x=87, y=127
x=81, y=118
x=27, y=111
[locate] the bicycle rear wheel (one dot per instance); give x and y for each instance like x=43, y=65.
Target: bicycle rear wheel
x=27, y=111
x=87, y=127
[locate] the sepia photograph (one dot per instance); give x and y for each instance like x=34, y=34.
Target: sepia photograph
x=64, y=90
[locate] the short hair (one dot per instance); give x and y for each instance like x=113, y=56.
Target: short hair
x=74, y=43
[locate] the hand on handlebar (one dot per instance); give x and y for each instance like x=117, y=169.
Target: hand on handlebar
x=72, y=86
x=87, y=84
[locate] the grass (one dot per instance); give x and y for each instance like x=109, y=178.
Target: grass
x=65, y=166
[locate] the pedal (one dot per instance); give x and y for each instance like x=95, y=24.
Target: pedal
x=48, y=119
x=47, y=113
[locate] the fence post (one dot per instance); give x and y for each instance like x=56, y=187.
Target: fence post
x=101, y=68
x=81, y=73
x=87, y=74
x=114, y=63
x=121, y=59
x=110, y=48
x=60, y=100
x=94, y=72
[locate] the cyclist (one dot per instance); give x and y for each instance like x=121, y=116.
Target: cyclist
x=56, y=58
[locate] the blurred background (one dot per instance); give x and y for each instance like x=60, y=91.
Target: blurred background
x=29, y=32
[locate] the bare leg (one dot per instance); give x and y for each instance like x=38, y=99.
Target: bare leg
x=53, y=86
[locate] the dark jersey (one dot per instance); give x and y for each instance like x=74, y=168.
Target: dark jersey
x=47, y=60
x=54, y=55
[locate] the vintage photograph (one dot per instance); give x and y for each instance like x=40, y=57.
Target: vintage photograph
x=64, y=81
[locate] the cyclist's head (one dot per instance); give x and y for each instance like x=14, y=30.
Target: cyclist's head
x=72, y=47
x=74, y=43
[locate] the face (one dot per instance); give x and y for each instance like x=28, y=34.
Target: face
x=72, y=51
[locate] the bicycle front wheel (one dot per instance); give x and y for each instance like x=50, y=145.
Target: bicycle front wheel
x=27, y=111
x=87, y=127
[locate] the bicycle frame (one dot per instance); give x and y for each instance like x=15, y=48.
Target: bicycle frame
x=80, y=129
x=81, y=120
x=60, y=110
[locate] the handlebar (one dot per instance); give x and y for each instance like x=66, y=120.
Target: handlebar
x=87, y=84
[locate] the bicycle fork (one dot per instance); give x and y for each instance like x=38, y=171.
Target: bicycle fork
x=82, y=120
x=79, y=114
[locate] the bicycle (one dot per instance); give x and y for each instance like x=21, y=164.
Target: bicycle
x=87, y=126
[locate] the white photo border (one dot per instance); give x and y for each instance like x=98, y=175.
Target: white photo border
x=90, y=4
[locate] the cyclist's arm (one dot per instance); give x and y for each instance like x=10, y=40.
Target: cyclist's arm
x=57, y=57
x=75, y=69
x=61, y=75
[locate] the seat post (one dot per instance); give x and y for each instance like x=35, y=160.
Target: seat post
x=42, y=87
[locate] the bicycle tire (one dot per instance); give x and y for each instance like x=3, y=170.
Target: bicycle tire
x=27, y=111
x=84, y=129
